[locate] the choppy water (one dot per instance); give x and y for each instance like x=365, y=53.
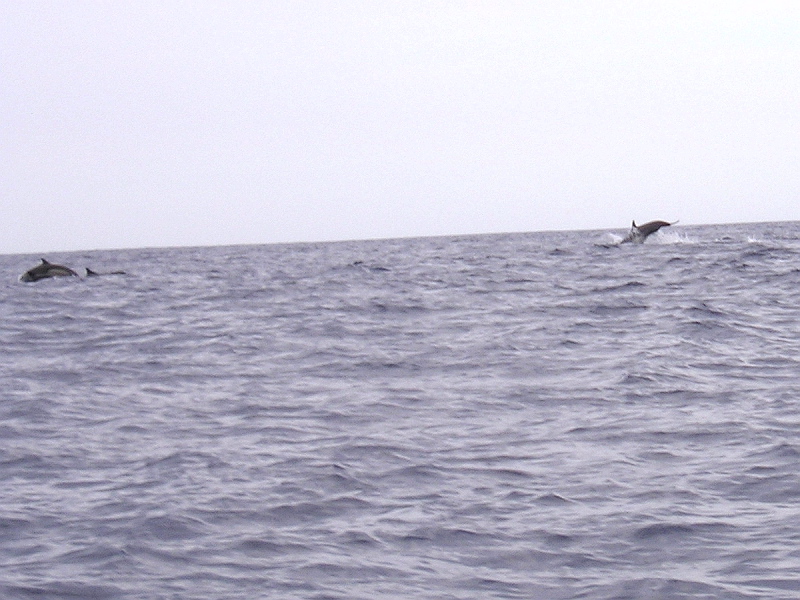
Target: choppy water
x=544, y=416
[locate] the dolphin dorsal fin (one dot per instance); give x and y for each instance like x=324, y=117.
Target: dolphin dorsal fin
x=89, y=272
x=633, y=224
x=45, y=261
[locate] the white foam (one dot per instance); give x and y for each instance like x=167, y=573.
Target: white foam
x=672, y=236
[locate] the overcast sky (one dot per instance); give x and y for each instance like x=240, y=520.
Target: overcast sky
x=170, y=123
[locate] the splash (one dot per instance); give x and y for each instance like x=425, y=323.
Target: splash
x=611, y=239
x=662, y=237
x=671, y=236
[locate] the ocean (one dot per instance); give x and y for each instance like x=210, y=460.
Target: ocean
x=542, y=416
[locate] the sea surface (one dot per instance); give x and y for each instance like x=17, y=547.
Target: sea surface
x=540, y=416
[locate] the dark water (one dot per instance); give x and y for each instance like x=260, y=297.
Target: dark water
x=544, y=416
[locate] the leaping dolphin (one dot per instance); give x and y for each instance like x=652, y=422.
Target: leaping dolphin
x=45, y=270
x=639, y=233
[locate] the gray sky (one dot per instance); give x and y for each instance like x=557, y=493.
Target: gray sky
x=168, y=123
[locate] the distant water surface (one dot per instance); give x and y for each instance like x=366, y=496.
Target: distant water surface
x=542, y=416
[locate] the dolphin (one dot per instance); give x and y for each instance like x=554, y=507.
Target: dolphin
x=90, y=273
x=45, y=270
x=639, y=233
